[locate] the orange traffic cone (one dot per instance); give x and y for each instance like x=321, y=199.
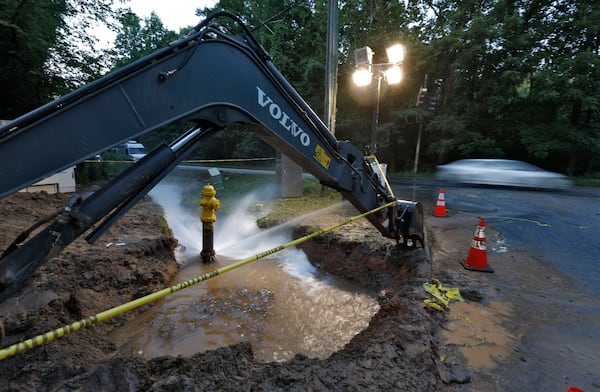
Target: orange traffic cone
x=477, y=257
x=440, y=206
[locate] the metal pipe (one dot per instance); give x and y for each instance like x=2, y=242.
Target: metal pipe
x=375, y=124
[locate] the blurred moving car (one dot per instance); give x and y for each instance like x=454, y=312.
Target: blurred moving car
x=504, y=172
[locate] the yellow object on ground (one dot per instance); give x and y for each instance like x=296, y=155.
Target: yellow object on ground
x=442, y=295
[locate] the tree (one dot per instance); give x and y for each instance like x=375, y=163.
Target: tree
x=518, y=75
x=520, y=78
x=290, y=31
x=46, y=50
x=293, y=33
x=28, y=29
x=136, y=38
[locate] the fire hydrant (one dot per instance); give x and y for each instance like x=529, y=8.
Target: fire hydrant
x=209, y=204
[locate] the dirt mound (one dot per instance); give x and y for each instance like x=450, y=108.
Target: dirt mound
x=398, y=350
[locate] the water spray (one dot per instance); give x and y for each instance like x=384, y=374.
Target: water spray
x=209, y=204
x=84, y=323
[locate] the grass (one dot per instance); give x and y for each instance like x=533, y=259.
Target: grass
x=235, y=187
x=587, y=181
x=314, y=197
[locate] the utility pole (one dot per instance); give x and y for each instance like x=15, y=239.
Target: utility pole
x=422, y=90
x=332, y=65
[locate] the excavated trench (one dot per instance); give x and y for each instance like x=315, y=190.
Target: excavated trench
x=282, y=305
x=395, y=349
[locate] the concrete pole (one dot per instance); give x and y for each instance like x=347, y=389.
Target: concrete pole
x=418, y=147
x=332, y=65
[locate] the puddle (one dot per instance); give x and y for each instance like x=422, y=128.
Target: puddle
x=475, y=329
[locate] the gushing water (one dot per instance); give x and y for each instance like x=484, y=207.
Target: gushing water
x=282, y=304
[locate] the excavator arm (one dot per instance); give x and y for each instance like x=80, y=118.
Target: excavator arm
x=208, y=78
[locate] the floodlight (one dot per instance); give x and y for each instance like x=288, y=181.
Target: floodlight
x=396, y=53
x=393, y=75
x=363, y=56
x=362, y=77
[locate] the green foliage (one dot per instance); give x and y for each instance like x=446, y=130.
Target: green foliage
x=592, y=180
x=138, y=38
x=46, y=51
x=234, y=142
x=293, y=33
x=28, y=31
x=314, y=197
x=102, y=170
x=520, y=79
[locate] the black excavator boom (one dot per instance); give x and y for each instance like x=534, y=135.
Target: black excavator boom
x=208, y=78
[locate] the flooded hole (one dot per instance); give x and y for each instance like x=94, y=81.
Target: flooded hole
x=281, y=304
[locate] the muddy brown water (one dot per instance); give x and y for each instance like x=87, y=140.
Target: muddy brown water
x=281, y=304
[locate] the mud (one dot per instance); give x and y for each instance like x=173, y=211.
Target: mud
x=403, y=348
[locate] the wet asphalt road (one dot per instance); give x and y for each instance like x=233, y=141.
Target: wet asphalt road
x=561, y=228
x=555, y=325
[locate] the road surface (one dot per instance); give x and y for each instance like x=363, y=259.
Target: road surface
x=540, y=313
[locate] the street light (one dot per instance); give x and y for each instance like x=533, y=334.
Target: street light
x=366, y=71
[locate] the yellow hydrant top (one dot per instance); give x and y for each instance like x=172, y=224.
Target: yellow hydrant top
x=209, y=204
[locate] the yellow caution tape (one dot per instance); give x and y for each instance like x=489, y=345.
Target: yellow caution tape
x=432, y=304
x=442, y=294
x=454, y=293
x=188, y=161
x=107, y=161
x=433, y=290
x=60, y=332
x=226, y=160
